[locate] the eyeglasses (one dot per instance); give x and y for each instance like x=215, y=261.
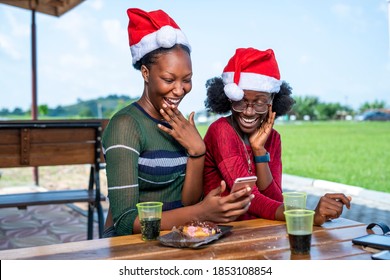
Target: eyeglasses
x=242, y=105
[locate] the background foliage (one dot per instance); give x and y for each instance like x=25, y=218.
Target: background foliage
x=348, y=152
x=306, y=107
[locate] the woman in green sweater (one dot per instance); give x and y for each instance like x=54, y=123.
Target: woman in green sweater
x=153, y=153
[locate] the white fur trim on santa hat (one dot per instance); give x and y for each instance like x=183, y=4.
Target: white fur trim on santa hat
x=252, y=81
x=165, y=37
x=233, y=92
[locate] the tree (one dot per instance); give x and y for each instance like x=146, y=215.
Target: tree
x=58, y=111
x=86, y=112
x=370, y=106
x=43, y=110
x=305, y=106
x=329, y=111
x=4, y=112
x=18, y=112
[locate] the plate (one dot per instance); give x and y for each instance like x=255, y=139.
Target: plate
x=178, y=240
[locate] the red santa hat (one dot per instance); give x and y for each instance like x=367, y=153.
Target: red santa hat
x=149, y=31
x=251, y=69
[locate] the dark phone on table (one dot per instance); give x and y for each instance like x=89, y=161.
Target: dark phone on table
x=374, y=241
x=242, y=182
x=382, y=255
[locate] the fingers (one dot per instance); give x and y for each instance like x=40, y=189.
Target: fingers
x=268, y=123
x=340, y=197
x=171, y=114
x=237, y=200
x=169, y=117
x=215, y=192
x=191, y=118
x=224, y=209
x=330, y=206
x=234, y=214
x=238, y=195
x=219, y=190
x=272, y=118
x=223, y=186
x=164, y=128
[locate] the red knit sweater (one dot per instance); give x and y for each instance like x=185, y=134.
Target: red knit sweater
x=226, y=160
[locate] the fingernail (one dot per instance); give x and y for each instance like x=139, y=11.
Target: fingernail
x=252, y=196
x=248, y=189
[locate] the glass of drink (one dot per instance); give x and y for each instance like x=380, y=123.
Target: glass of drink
x=149, y=214
x=299, y=228
x=294, y=200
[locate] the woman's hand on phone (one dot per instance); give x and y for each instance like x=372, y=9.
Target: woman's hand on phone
x=224, y=209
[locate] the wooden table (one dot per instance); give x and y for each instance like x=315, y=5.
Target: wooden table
x=253, y=239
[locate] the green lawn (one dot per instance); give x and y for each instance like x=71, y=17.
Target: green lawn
x=352, y=153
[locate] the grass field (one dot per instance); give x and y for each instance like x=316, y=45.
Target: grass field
x=352, y=153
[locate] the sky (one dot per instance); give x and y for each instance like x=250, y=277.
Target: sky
x=336, y=50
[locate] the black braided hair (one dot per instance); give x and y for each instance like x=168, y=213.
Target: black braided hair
x=151, y=57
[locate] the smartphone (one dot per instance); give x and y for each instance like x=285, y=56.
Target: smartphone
x=382, y=255
x=377, y=241
x=243, y=182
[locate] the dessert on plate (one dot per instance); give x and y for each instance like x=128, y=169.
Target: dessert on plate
x=194, y=234
x=197, y=229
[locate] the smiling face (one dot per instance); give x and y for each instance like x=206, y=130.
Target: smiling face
x=167, y=80
x=248, y=120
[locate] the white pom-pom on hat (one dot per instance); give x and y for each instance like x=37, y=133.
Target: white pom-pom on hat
x=166, y=37
x=233, y=92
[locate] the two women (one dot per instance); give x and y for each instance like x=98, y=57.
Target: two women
x=153, y=153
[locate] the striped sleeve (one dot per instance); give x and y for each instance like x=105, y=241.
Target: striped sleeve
x=121, y=146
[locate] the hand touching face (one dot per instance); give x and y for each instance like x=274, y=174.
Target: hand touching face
x=183, y=130
x=259, y=137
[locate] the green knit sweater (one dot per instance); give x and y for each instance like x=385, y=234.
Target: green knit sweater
x=143, y=164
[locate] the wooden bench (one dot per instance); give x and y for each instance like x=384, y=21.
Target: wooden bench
x=50, y=143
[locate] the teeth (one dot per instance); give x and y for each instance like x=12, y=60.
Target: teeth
x=174, y=101
x=248, y=120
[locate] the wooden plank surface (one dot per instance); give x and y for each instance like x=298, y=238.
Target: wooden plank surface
x=254, y=239
x=45, y=143
x=50, y=197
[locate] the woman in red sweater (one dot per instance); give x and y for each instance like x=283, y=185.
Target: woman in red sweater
x=245, y=143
